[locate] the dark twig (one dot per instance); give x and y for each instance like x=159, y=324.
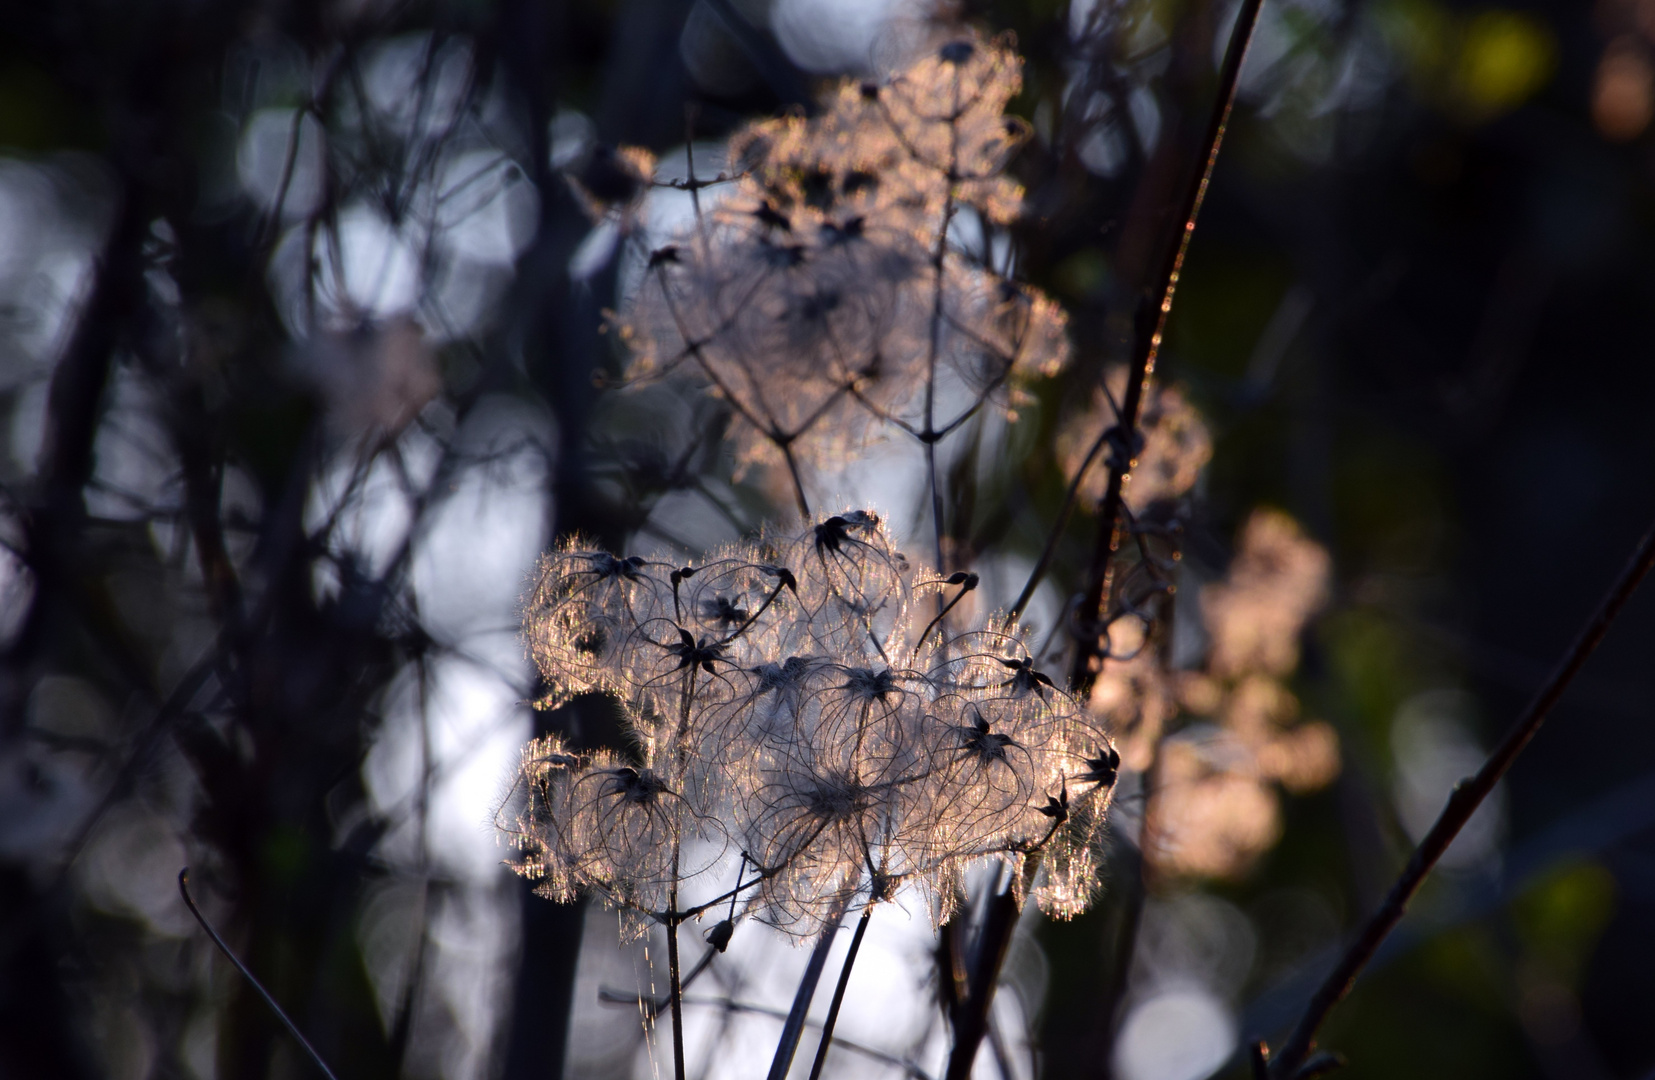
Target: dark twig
x=292, y=1028
x=1294, y=1060
x=1152, y=325
x=909, y=1069
x=1038, y=574
x=970, y=1018
x=839, y=994
x=788, y=1044
x=987, y=958
x=675, y=997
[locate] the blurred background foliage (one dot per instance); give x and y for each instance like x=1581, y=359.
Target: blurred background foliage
x=299, y=319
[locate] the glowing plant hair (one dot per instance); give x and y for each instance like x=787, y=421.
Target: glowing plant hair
x=791, y=712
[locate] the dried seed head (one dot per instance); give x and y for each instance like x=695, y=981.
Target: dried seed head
x=783, y=706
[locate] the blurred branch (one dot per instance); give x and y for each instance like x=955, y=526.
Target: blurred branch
x=909, y=1069
x=1294, y=1060
x=292, y=1028
x=772, y=64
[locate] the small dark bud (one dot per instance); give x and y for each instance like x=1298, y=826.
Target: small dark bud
x=870, y=91
x=957, y=52
x=719, y=936
x=668, y=254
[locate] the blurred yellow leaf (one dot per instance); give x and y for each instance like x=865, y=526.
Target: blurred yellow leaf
x=1505, y=57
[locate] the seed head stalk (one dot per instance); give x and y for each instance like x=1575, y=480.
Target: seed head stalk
x=676, y=990
x=1152, y=328
x=794, y=1026
x=839, y=993
x=1004, y=908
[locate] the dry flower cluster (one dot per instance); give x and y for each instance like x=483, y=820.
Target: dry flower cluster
x=1214, y=809
x=787, y=708
x=1176, y=443
x=828, y=293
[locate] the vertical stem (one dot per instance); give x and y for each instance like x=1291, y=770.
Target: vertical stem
x=839, y=995
x=987, y=958
x=971, y=1017
x=676, y=990
x=1152, y=325
x=795, y=1025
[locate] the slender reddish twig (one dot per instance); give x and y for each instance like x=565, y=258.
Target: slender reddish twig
x=1290, y=1060
x=1146, y=349
x=970, y=1017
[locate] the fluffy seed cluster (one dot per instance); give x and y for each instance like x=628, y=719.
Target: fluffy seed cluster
x=800, y=707
x=1177, y=445
x=828, y=293
x=1237, y=733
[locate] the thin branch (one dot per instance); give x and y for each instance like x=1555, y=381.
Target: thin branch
x=1044, y=563
x=1148, y=346
x=794, y=1026
x=798, y=481
x=908, y=1067
x=1295, y=1057
x=839, y=995
x=676, y=991
x=292, y=1028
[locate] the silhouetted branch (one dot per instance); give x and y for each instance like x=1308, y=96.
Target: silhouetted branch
x=292, y=1028
x=794, y=1026
x=1152, y=324
x=1294, y=1060
x=839, y=994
